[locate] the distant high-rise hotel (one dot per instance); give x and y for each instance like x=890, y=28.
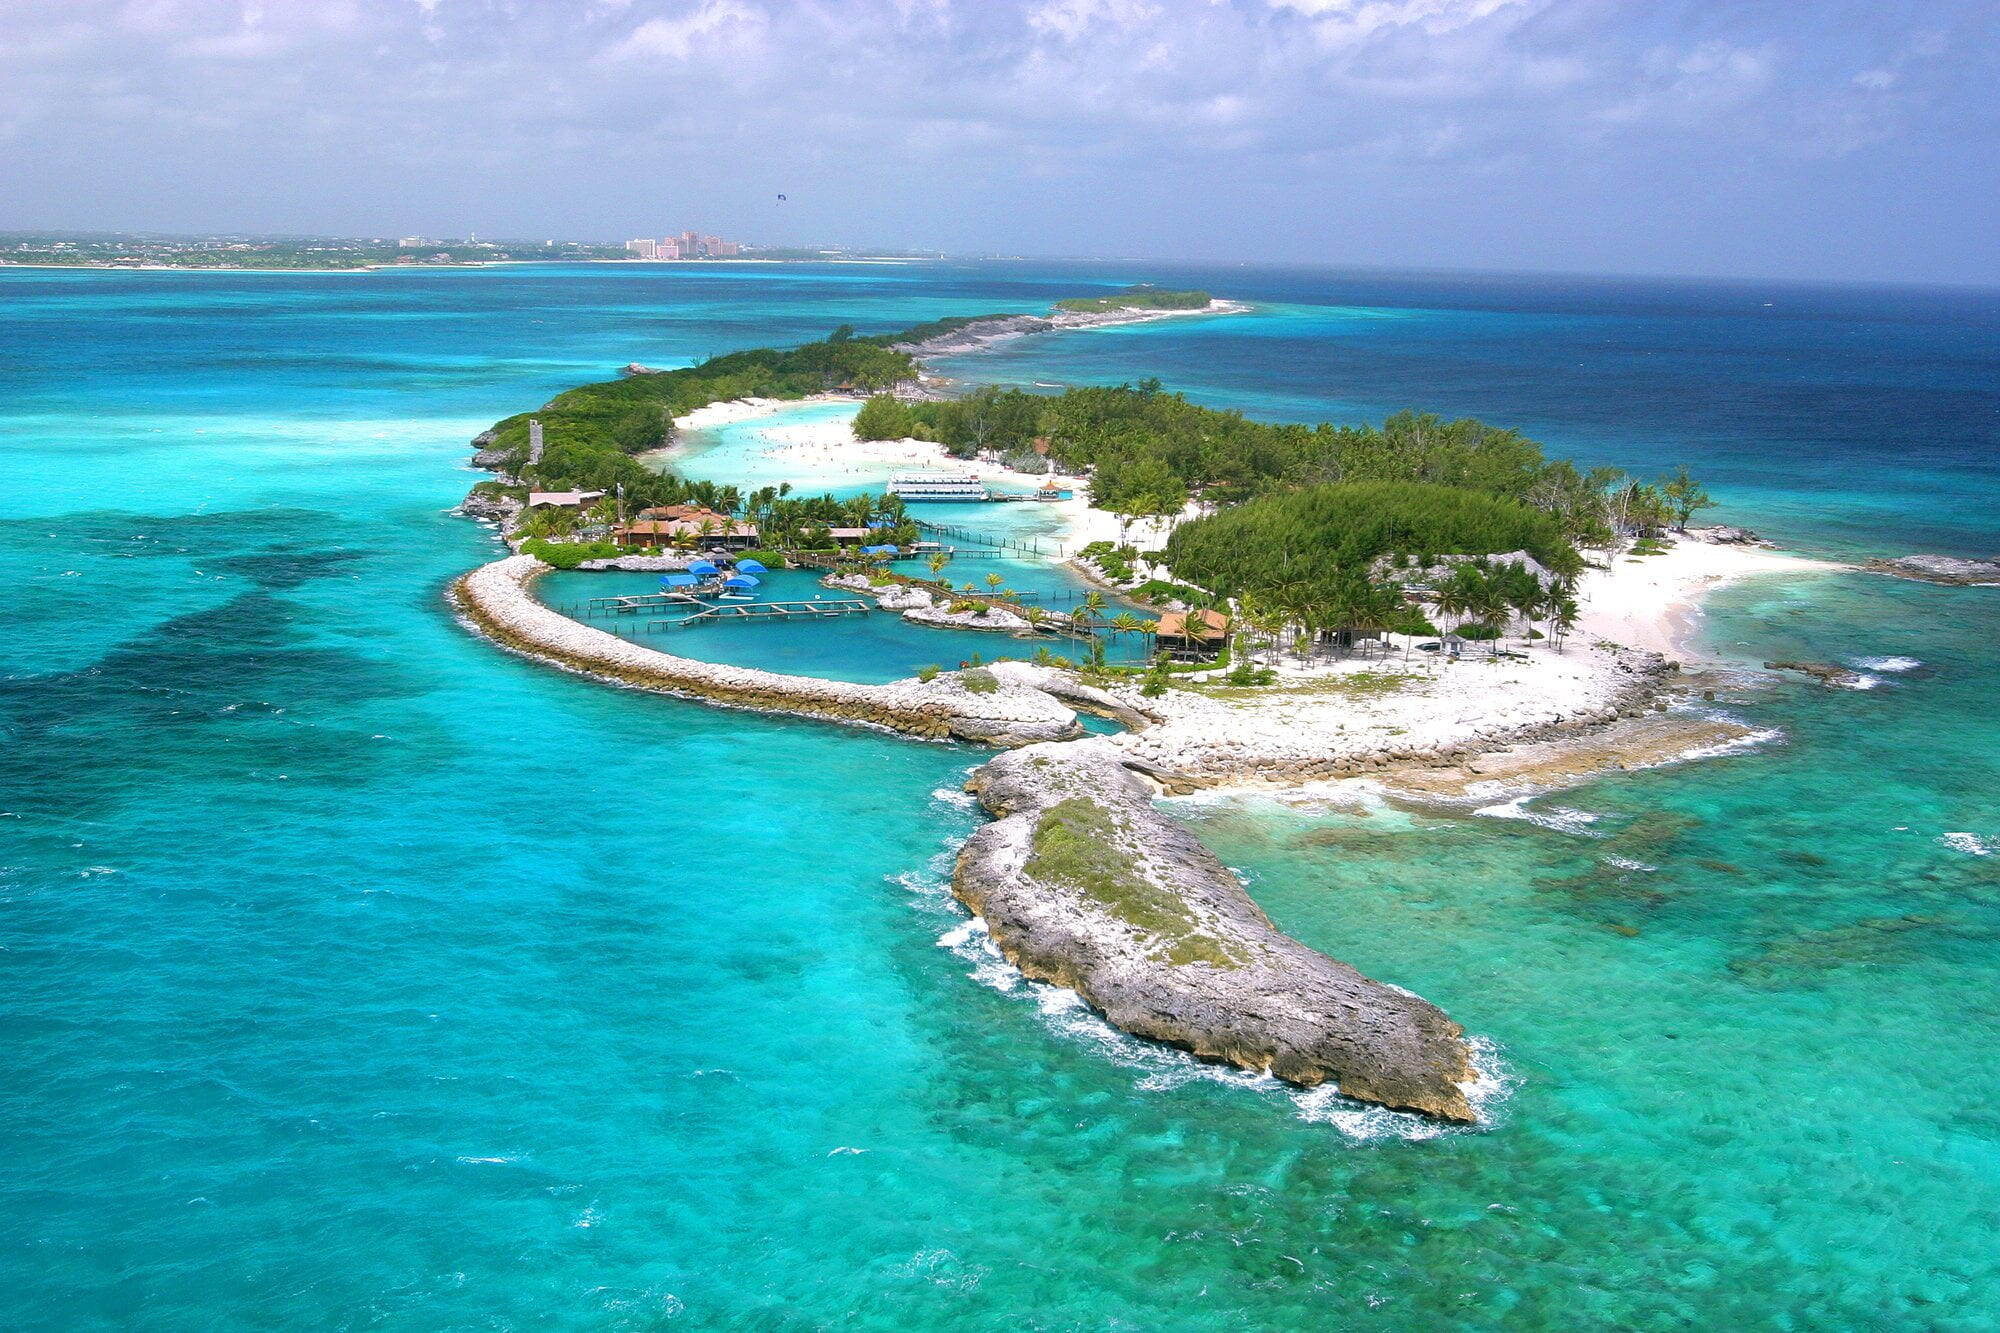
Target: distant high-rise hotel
x=687, y=245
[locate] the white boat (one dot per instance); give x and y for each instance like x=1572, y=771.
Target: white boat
x=937, y=487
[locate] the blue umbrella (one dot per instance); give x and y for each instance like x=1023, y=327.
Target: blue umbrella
x=702, y=567
x=679, y=581
x=740, y=581
x=751, y=567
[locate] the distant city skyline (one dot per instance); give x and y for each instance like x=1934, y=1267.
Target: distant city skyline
x=1835, y=140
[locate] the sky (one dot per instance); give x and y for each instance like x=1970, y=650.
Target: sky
x=1830, y=139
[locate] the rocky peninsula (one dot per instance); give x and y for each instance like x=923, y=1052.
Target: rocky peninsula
x=1084, y=884
x=980, y=333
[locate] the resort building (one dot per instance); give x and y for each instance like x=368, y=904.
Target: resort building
x=1191, y=633
x=641, y=249
x=562, y=499
x=686, y=525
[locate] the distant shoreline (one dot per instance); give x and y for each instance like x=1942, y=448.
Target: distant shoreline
x=401, y=268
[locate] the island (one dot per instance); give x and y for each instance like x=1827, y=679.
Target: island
x=1433, y=604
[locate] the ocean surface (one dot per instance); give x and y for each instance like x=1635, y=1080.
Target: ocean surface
x=360, y=975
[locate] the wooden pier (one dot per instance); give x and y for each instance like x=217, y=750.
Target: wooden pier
x=830, y=608
x=973, y=536
x=634, y=604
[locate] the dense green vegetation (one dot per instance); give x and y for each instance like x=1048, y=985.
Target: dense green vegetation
x=590, y=433
x=1141, y=297
x=1148, y=451
x=1314, y=529
x=1314, y=533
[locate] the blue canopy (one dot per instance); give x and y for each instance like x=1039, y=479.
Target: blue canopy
x=878, y=550
x=741, y=581
x=701, y=567
x=751, y=567
x=678, y=581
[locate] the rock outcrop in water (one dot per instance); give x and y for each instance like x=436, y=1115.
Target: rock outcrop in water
x=1826, y=673
x=978, y=333
x=1083, y=883
x=495, y=599
x=1956, y=571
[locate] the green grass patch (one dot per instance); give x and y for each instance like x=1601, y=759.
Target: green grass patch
x=1079, y=843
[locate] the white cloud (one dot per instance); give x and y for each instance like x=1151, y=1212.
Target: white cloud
x=712, y=25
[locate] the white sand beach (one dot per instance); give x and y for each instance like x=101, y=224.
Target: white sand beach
x=1654, y=602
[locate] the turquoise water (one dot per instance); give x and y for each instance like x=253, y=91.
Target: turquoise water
x=872, y=648
x=361, y=974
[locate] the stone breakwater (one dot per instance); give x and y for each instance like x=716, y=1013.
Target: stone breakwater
x=1082, y=883
x=497, y=601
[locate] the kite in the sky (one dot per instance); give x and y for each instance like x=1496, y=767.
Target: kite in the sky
x=781, y=199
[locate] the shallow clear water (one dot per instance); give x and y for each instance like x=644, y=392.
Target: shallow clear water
x=358, y=973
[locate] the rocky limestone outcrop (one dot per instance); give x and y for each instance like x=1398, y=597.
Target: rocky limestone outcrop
x=1956, y=571
x=501, y=509
x=992, y=618
x=485, y=456
x=1723, y=534
x=1066, y=686
x=1082, y=883
x=1826, y=673
x=1200, y=744
x=921, y=606
x=496, y=600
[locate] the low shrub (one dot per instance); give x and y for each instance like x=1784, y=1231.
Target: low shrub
x=569, y=555
x=979, y=681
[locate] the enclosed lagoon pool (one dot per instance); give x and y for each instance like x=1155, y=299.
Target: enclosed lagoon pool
x=874, y=648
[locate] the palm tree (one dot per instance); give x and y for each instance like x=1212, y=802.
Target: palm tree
x=1127, y=623
x=1562, y=617
x=994, y=581
x=937, y=564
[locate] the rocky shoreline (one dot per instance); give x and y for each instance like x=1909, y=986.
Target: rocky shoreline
x=1082, y=883
x=1001, y=328
x=1953, y=571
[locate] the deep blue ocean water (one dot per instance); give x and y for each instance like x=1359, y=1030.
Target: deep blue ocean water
x=358, y=974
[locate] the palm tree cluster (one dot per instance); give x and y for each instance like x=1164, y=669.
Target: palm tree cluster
x=784, y=520
x=1491, y=596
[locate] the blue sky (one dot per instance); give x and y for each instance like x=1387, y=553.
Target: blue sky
x=1806, y=138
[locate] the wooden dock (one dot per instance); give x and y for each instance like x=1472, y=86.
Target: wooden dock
x=636, y=603
x=823, y=609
